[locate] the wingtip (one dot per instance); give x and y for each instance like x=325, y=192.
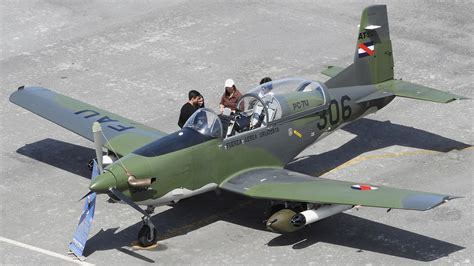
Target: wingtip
x=444, y=200
x=448, y=198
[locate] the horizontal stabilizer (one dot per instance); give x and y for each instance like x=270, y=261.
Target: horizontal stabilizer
x=376, y=95
x=410, y=90
x=332, y=71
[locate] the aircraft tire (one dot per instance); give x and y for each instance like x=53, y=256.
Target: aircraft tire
x=90, y=164
x=144, y=236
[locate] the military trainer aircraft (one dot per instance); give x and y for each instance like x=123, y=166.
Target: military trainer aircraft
x=246, y=152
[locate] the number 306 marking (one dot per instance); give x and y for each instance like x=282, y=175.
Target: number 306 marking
x=335, y=116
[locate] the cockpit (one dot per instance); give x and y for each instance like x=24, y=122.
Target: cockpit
x=202, y=126
x=275, y=100
x=258, y=108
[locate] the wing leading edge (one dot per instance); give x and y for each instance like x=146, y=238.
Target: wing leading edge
x=124, y=135
x=282, y=184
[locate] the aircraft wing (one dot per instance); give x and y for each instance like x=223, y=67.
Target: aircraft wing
x=124, y=135
x=282, y=184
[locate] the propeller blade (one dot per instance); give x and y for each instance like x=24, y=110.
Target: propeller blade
x=83, y=197
x=127, y=200
x=98, y=143
x=95, y=173
x=79, y=240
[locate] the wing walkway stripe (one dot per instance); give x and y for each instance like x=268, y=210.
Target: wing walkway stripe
x=43, y=251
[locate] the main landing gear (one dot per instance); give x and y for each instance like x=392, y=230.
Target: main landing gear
x=148, y=235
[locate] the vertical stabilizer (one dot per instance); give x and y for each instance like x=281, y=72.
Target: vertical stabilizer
x=373, y=61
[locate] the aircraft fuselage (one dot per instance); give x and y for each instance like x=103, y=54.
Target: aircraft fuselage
x=193, y=168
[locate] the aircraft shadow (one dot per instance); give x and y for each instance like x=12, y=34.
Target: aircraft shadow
x=373, y=135
x=343, y=229
x=186, y=216
x=366, y=235
x=66, y=156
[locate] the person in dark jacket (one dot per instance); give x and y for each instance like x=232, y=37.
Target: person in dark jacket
x=189, y=108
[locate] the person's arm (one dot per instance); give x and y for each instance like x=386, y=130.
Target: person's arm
x=232, y=104
x=221, y=104
x=181, y=118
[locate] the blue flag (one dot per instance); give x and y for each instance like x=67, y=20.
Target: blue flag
x=82, y=232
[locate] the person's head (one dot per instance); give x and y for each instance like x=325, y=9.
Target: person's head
x=268, y=87
x=229, y=87
x=193, y=97
x=265, y=80
x=200, y=101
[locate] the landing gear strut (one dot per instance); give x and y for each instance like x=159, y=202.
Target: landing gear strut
x=148, y=234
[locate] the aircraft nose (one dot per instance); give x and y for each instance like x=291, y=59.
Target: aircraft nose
x=103, y=182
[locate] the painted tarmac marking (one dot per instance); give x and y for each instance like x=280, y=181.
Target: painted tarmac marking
x=43, y=251
x=387, y=155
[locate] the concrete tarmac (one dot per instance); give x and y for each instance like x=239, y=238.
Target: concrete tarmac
x=140, y=58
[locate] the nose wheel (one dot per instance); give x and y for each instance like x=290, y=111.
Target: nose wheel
x=148, y=235
x=90, y=164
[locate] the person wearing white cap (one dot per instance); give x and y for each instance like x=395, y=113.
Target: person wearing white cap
x=230, y=97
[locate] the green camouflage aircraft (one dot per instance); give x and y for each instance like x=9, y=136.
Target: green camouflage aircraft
x=246, y=152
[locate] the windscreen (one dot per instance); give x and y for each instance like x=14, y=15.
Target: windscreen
x=205, y=122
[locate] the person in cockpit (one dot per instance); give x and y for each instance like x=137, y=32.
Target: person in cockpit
x=265, y=88
x=265, y=80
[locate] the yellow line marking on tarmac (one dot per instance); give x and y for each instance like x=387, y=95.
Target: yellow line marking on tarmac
x=360, y=159
x=43, y=251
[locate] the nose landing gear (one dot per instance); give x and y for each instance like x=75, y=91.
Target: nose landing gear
x=148, y=235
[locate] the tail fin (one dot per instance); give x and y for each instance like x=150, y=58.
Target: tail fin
x=373, y=61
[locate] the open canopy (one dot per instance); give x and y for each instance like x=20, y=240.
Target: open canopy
x=280, y=98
